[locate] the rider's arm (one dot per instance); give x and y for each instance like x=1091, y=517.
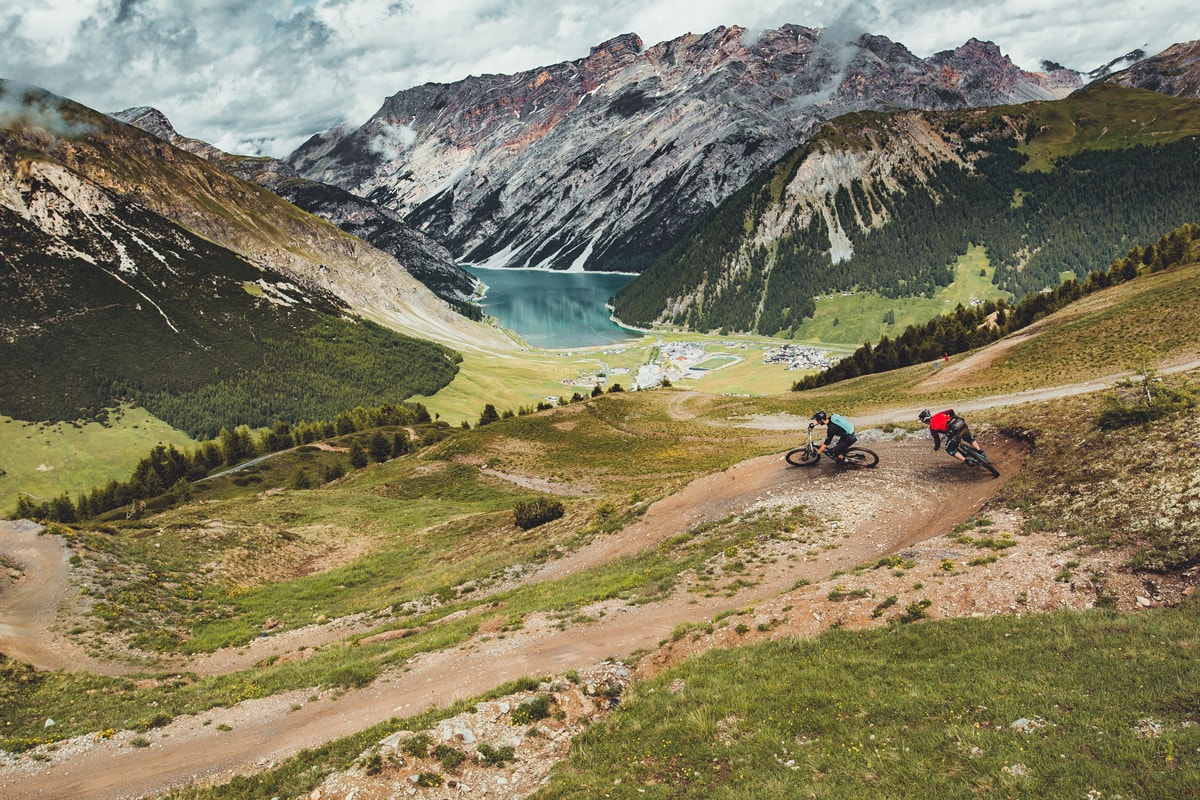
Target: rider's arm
x=937, y=440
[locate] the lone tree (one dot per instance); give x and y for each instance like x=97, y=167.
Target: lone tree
x=489, y=415
x=358, y=456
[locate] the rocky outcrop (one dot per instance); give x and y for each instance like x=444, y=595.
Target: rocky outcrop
x=606, y=161
x=981, y=71
x=1175, y=71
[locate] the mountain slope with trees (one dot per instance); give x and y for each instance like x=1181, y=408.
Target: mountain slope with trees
x=888, y=203
x=108, y=300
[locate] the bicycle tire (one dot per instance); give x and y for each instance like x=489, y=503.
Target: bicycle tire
x=981, y=459
x=802, y=457
x=861, y=457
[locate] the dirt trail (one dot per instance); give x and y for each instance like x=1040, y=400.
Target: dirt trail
x=913, y=496
x=867, y=513
x=38, y=603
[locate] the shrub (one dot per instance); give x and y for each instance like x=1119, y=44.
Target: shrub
x=887, y=603
x=1143, y=401
x=915, y=611
x=532, y=513
x=373, y=764
x=417, y=746
x=494, y=756
x=448, y=756
x=532, y=710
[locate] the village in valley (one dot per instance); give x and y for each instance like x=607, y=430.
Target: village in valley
x=671, y=362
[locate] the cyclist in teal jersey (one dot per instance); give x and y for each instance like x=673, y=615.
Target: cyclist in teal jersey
x=836, y=427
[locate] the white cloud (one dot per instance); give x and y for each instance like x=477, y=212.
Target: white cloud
x=392, y=140
x=263, y=76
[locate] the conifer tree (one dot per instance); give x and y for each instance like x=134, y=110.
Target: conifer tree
x=358, y=456
x=489, y=415
x=380, y=449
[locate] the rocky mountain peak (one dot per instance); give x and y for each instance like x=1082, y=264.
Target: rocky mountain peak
x=619, y=49
x=975, y=50
x=980, y=67
x=1174, y=71
x=1117, y=64
x=148, y=119
x=602, y=162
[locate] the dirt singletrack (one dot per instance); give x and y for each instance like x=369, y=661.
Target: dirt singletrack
x=36, y=607
x=912, y=495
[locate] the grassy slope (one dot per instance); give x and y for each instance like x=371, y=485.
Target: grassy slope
x=859, y=316
x=447, y=523
x=1154, y=318
x=926, y=709
x=46, y=460
x=1107, y=117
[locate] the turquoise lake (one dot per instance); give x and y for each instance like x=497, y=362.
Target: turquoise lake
x=554, y=310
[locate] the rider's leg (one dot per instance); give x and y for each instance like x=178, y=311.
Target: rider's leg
x=840, y=447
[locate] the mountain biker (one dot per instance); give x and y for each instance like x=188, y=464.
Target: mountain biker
x=953, y=427
x=837, y=427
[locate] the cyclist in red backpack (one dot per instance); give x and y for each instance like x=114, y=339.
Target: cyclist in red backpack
x=953, y=427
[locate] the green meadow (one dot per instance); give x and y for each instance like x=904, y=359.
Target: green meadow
x=858, y=318
x=43, y=461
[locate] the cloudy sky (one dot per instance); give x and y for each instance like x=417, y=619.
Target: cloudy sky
x=260, y=76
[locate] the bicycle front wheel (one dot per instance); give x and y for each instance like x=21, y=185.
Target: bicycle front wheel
x=802, y=457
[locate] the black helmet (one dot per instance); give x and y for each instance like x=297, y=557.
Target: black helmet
x=820, y=416
x=924, y=415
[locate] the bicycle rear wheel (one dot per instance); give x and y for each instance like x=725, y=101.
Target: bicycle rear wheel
x=981, y=459
x=861, y=457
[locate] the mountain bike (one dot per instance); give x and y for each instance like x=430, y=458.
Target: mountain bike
x=977, y=458
x=808, y=455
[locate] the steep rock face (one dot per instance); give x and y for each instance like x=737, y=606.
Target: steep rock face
x=980, y=70
x=1175, y=71
x=603, y=162
x=423, y=258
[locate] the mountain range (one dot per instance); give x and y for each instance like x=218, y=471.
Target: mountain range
x=604, y=162
x=625, y=159
x=423, y=258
